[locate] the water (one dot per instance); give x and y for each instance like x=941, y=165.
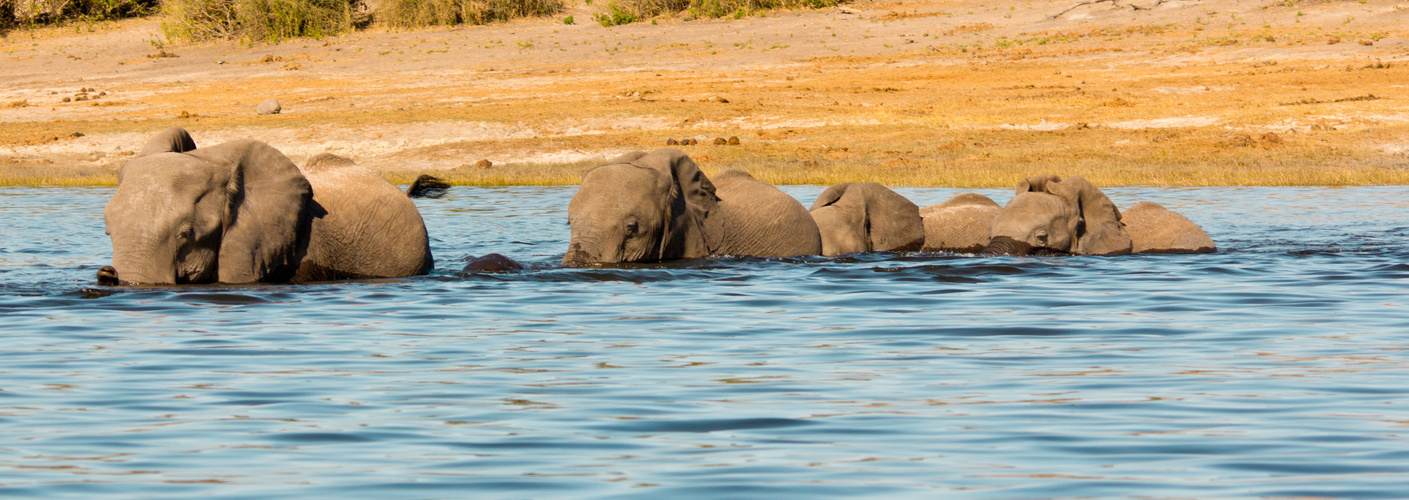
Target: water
x=1275, y=368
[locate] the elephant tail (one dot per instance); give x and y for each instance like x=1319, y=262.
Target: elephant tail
x=427, y=186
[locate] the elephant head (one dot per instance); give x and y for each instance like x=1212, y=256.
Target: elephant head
x=1056, y=215
x=235, y=213
x=641, y=207
x=866, y=217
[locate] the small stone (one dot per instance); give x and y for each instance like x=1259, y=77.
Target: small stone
x=691, y=141
x=66, y=99
x=484, y=163
x=733, y=140
x=672, y=142
x=269, y=107
x=1271, y=138
x=720, y=141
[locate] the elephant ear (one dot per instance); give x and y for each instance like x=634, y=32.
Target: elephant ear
x=266, y=221
x=692, y=200
x=830, y=196
x=1037, y=183
x=1100, y=231
x=171, y=140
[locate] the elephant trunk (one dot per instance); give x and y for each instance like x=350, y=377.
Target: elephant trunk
x=1004, y=245
x=139, y=267
x=577, y=256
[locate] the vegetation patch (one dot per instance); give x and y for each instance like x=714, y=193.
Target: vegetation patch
x=628, y=11
x=261, y=20
x=421, y=13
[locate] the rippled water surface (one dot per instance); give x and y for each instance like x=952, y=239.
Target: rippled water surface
x=1277, y=367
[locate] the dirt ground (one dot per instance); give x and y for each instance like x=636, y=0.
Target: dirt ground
x=939, y=93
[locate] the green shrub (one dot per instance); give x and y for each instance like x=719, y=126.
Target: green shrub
x=33, y=12
x=632, y=10
x=420, y=13
x=615, y=15
x=262, y=20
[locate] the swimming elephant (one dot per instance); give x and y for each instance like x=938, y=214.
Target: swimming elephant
x=866, y=217
x=242, y=212
x=1155, y=229
x=960, y=224
x=1050, y=214
x=649, y=207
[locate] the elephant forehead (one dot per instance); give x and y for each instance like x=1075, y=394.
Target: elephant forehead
x=171, y=172
x=1030, y=210
x=623, y=185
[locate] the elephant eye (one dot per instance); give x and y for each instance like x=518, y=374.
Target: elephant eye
x=632, y=227
x=186, y=232
x=1042, y=237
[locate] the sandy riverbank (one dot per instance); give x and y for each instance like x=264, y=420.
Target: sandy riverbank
x=1219, y=92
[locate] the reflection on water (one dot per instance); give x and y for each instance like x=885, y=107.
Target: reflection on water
x=1274, y=368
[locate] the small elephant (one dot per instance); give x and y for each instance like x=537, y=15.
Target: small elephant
x=650, y=207
x=1050, y=214
x=959, y=225
x=866, y=217
x=242, y=212
x=1154, y=229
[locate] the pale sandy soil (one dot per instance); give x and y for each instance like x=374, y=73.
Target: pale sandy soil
x=896, y=91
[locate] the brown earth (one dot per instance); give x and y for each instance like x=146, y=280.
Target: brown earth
x=906, y=93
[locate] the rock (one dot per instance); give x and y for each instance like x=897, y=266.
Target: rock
x=733, y=140
x=689, y=142
x=720, y=141
x=672, y=142
x=484, y=163
x=269, y=107
x=492, y=263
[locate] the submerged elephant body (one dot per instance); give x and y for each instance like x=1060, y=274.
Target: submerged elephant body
x=242, y=212
x=650, y=207
x=960, y=224
x=866, y=217
x=1155, y=229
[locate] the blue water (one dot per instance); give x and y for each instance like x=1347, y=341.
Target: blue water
x=1278, y=367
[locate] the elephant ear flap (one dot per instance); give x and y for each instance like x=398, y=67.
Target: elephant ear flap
x=171, y=140
x=691, y=184
x=267, y=220
x=1100, y=231
x=1037, y=183
x=830, y=196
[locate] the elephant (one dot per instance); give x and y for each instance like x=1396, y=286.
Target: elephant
x=242, y=212
x=657, y=206
x=1050, y=214
x=1155, y=229
x=866, y=217
x=959, y=225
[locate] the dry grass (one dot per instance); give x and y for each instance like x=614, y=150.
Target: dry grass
x=422, y=13
x=1167, y=103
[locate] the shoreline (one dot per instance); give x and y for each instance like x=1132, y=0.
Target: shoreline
x=914, y=93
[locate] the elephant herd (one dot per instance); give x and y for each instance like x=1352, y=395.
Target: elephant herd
x=242, y=212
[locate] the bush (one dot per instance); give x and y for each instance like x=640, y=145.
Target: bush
x=32, y=12
x=632, y=10
x=263, y=20
x=615, y=15
x=421, y=13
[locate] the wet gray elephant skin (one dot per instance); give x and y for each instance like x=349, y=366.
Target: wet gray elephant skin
x=1050, y=214
x=363, y=225
x=242, y=212
x=1155, y=229
x=960, y=224
x=866, y=217
x=650, y=207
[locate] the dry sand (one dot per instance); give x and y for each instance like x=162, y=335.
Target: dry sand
x=912, y=92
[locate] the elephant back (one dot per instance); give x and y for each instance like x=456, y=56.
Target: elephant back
x=1155, y=229
x=960, y=224
x=756, y=219
x=363, y=226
